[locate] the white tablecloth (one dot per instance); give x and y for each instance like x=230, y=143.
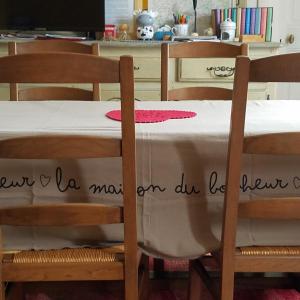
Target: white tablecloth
x=181, y=172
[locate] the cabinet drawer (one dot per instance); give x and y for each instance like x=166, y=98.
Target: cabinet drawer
x=146, y=69
x=206, y=69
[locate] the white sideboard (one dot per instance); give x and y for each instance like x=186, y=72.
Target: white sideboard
x=183, y=72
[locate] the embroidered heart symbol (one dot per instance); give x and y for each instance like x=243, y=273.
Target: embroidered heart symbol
x=153, y=116
x=296, y=182
x=45, y=180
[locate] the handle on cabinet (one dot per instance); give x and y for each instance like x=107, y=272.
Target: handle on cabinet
x=229, y=70
x=291, y=39
x=136, y=68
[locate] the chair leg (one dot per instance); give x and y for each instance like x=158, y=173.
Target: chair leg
x=194, y=288
x=227, y=283
x=131, y=283
x=144, y=278
x=158, y=268
x=15, y=292
x=2, y=291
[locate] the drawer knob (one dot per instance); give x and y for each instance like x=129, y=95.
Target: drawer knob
x=136, y=68
x=291, y=39
x=229, y=71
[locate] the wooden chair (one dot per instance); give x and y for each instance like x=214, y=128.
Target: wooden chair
x=281, y=68
x=52, y=92
x=116, y=263
x=196, y=50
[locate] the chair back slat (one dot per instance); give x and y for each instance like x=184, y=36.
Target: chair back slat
x=278, y=68
x=60, y=147
x=276, y=144
x=206, y=50
x=56, y=93
x=58, y=67
x=205, y=93
x=273, y=208
x=61, y=215
x=51, y=46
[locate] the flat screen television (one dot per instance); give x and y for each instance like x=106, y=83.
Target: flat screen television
x=53, y=15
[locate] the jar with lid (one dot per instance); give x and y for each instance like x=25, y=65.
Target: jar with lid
x=227, y=30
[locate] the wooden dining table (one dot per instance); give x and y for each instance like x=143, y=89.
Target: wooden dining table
x=181, y=165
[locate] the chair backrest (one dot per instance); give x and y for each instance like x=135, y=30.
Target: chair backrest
x=281, y=68
x=78, y=68
x=196, y=50
x=53, y=92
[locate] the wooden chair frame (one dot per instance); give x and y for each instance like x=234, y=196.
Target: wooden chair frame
x=280, y=68
x=196, y=50
x=53, y=92
x=78, y=68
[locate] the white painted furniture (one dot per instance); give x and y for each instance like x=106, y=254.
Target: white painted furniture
x=185, y=72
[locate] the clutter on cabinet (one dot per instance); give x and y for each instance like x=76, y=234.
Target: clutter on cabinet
x=195, y=14
x=123, y=32
x=144, y=22
x=252, y=21
x=227, y=28
x=110, y=32
x=195, y=38
x=181, y=26
x=163, y=33
x=208, y=31
x=252, y=38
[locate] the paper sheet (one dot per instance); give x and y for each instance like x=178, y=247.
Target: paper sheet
x=118, y=11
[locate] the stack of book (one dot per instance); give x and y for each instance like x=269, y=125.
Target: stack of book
x=249, y=20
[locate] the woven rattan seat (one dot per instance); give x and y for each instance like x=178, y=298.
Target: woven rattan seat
x=78, y=255
x=267, y=250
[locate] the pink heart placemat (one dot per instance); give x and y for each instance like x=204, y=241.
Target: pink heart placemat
x=153, y=116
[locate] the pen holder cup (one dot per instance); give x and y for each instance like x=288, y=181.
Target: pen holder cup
x=181, y=29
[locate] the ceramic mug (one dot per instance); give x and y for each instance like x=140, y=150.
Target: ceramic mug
x=181, y=29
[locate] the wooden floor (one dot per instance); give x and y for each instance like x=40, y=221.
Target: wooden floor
x=172, y=289
x=162, y=289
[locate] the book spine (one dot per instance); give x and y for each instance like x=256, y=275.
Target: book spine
x=252, y=21
x=222, y=15
x=218, y=21
x=230, y=13
x=213, y=21
x=233, y=14
x=263, y=20
x=248, y=18
x=269, y=24
x=225, y=14
x=238, y=21
x=257, y=20
x=243, y=21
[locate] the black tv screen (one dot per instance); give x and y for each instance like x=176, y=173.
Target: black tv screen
x=53, y=15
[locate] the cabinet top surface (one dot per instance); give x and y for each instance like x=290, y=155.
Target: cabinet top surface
x=145, y=44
